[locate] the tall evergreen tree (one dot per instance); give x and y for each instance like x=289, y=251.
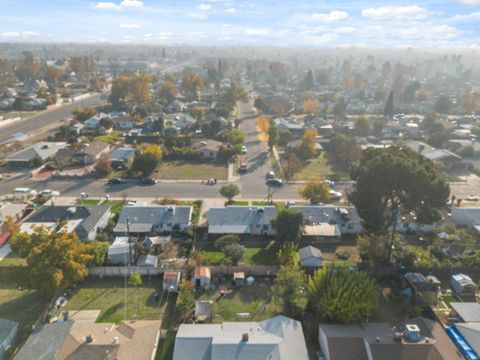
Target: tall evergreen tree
x=389, y=108
x=308, y=82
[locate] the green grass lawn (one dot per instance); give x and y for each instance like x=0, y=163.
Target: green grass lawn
x=190, y=171
x=23, y=306
x=261, y=203
x=240, y=202
x=253, y=255
x=111, y=138
x=447, y=299
x=255, y=299
x=87, y=202
x=107, y=295
x=322, y=167
x=116, y=206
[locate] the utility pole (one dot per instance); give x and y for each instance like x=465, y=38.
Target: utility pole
x=129, y=264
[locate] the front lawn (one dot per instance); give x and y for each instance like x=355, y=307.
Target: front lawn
x=17, y=301
x=239, y=202
x=320, y=168
x=108, y=296
x=87, y=202
x=253, y=255
x=182, y=170
x=115, y=206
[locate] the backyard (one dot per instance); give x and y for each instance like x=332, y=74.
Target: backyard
x=255, y=300
x=108, y=296
x=190, y=171
x=17, y=301
x=253, y=255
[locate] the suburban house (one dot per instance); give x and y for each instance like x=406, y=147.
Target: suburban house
x=207, y=149
x=289, y=124
x=26, y=157
x=123, y=123
x=178, y=122
x=119, y=251
x=8, y=337
x=86, y=221
x=94, y=122
x=329, y=222
x=241, y=220
x=91, y=152
x=468, y=216
x=310, y=257
x=153, y=219
x=122, y=158
x=467, y=312
x=466, y=336
x=421, y=339
x=175, y=107
x=278, y=338
x=77, y=128
x=448, y=159
x=464, y=287
x=15, y=211
x=82, y=338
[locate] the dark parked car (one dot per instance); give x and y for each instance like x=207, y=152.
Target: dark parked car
x=274, y=182
x=116, y=181
x=148, y=181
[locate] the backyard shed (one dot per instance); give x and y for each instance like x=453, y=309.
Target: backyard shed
x=239, y=278
x=171, y=281
x=119, y=251
x=201, y=277
x=147, y=261
x=464, y=287
x=203, y=311
x=310, y=257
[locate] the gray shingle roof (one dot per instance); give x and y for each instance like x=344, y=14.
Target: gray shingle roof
x=309, y=251
x=147, y=216
x=239, y=219
x=42, y=149
x=468, y=311
x=122, y=154
x=90, y=216
x=45, y=342
x=279, y=338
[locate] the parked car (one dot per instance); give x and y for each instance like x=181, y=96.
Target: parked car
x=24, y=192
x=335, y=195
x=148, y=181
x=244, y=149
x=83, y=195
x=49, y=193
x=242, y=168
x=274, y=182
x=472, y=198
x=270, y=175
x=116, y=181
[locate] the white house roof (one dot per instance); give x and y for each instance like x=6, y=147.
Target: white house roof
x=279, y=338
x=43, y=149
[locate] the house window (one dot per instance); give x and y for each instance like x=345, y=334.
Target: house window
x=258, y=226
x=350, y=226
x=169, y=224
x=265, y=227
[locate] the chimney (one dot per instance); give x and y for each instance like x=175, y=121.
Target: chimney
x=89, y=339
x=245, y=337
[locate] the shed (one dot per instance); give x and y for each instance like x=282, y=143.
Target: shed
x=147, y=261
x=119, y=251
x=464, y=287
x=202, y=277
x=239, y=278
x=310, y=257
x=171, y=281
x=203, y=311
x=8, y=337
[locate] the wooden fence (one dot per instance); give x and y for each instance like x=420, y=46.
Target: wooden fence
x=256, y=270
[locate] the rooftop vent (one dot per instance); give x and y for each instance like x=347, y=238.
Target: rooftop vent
x=412, y=333
x=245, y=337
x=72, y=210
x=89, y=339
x=261, y=210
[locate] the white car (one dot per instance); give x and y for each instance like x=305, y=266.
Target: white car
x=24, y=192
x=335, y=195
x=49, y=193
x=244, y=149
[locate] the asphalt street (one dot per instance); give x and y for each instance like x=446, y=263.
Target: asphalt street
x=35, y=124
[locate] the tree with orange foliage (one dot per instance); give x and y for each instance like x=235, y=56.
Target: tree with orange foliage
x=310, y=106
x=263, y=124
x=191, y=85
x=168, y=91
x=307, y=149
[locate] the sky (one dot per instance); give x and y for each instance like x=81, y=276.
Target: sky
x=292, y=23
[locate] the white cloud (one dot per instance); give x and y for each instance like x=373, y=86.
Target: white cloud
x=107, y=6
x=231, y=10
x=204, y=7
x=118, y=7
x=199, y=16
x=475, y=16
x=19, y=34
x=131, y=4
x=469, y=2
x=258, y=32
x=334, y=15
x=165, y=35
x=413, y=12
x=130, y=26
x=345, y=30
